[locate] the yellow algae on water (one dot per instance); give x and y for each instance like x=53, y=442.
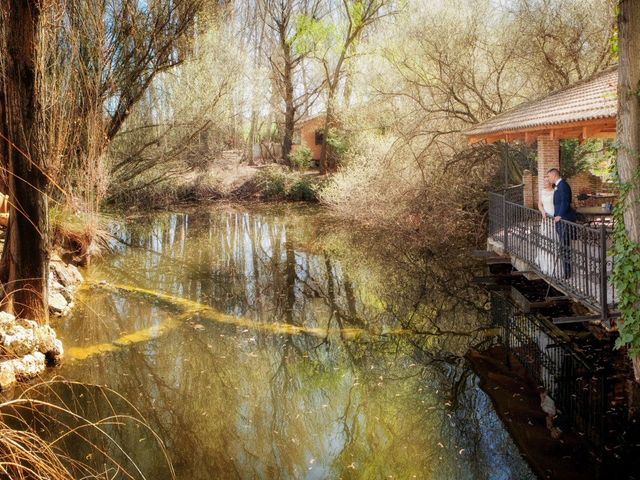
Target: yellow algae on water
x=82, y=353
x=193, y=308
x=146, y=334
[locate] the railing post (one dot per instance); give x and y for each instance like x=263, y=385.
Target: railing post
x=505, y=225
x=604, y=306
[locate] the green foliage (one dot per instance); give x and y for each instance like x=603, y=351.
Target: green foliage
x=314, y=35
x=278, y=183
x=626, y=276
x=301, y=158
x=615, y=37
x=338, y=141
x=594, y=155
x=357, y=12
x=572, y=158
x=273, y=182
x=303, y=190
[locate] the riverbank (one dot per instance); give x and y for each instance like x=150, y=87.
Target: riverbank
x=26, y=347
x=225, y=180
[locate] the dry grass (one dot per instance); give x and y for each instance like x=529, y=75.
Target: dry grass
x=82, y=234
x=38, y=427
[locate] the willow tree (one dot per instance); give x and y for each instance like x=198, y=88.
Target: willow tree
x=627, y=274
x=25, y=256
x=70, y=74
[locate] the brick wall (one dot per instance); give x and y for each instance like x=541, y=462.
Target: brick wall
x=583, y=182
x=548, y=157
x=308, y=136
x=530, y=182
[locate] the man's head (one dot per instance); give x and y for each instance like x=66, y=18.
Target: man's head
x=553, y=175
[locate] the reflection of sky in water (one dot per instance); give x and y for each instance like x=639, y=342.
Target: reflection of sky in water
x=231, y=401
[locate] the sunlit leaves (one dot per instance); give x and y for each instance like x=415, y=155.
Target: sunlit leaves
x=315, y=35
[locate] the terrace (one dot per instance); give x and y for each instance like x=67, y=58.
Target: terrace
x=584, y=110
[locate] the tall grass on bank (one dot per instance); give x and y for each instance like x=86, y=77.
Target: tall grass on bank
x=82, y=234
x=59, y=430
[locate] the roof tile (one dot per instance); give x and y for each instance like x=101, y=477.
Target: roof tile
x=589, y=99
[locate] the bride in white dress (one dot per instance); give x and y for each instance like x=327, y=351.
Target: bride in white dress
x=546, y=258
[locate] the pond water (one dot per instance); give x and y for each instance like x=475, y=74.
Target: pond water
x=273, y=342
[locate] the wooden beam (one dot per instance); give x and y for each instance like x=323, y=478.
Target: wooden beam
x=584, y=129
x=583, y=319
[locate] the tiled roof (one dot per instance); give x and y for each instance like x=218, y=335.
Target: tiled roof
x=590, y=99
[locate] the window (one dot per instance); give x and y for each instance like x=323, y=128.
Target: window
x=319, y=136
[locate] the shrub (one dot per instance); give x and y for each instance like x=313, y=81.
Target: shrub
x=386, y=185
x=301, y=158
x=303, y=189
x=273, y=181
x=338, y=142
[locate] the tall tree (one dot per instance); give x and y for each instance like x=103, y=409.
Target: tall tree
x=286, y=60
x=25, y=257
x=628, y=242
x=334, y=45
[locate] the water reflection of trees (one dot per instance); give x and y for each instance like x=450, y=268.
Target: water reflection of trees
x=246, y=403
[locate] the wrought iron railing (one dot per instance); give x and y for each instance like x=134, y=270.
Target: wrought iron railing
x=577, y=387
x=571, y=256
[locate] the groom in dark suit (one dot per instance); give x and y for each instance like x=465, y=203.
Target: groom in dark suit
x=562, y=210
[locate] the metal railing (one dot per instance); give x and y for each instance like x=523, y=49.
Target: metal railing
x=570, y=256
x=577, y=387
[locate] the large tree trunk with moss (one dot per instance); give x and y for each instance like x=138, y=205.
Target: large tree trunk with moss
x=629, y=124
x=25, y=257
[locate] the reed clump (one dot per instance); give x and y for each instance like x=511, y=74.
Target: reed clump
x=73, y=434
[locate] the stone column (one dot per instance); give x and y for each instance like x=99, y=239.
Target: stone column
x=548, y=157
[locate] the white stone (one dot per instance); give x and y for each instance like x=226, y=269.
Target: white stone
x=57, y=303
x=45, y=338
x=68, y=275
x=18, y=341
x=7, y=375
x=55, y=355
x=24, y=323
x=29, y=366
x=48, y=344
x=75, y=274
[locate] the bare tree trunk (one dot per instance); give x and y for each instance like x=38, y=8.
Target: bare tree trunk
x=629, y=121
x=251, y=138
x=25, y=257
x=325, y=165
x=290, y=112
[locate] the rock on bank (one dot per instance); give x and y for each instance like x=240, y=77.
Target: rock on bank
x=26, y=348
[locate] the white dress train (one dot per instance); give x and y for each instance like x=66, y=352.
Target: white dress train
x=547, y=258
